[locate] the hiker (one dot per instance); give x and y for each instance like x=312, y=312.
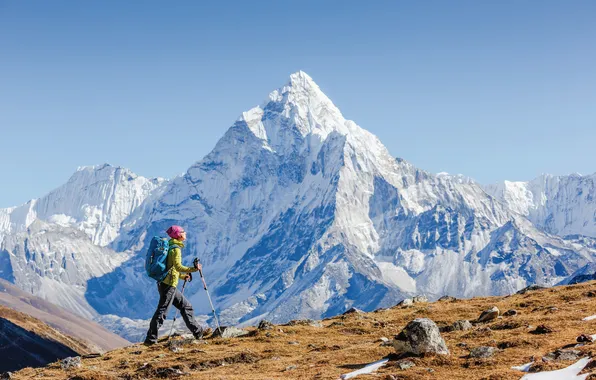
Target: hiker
x=169, y=294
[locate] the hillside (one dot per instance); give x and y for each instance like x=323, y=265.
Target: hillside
x=27, y=341
x=96, y=337
x=345, y=343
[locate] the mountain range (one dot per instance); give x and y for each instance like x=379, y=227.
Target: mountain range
x=297, y=213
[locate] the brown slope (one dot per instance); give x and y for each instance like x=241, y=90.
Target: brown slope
x=346, y=343
x=96, y=337
x=28, y=342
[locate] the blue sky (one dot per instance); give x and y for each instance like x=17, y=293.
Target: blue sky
x=491, y=89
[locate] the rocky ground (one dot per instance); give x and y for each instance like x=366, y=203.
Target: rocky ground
x=470, y=341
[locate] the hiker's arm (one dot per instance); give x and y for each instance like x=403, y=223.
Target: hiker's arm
x=178, y=262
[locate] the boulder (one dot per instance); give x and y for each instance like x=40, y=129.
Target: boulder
x=489, y=315
x=483, y=352
x=510, y=313
x=352, y=310
x=404, y=364
x=419, y=299
x=229, y=332
x=462, y=325
x=542, y=329
x=529, y=289
x=405, y=303
x=420, y=336
x=71, y=362
x=265, y=325
x=447, y=299
x=562, y=355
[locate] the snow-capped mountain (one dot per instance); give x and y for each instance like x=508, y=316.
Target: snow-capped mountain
x=298, y=212
x=55, y=262
x=560, y=205
x=95, y=200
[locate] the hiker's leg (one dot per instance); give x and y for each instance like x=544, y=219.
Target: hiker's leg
x=188, y=314
x=165, y=298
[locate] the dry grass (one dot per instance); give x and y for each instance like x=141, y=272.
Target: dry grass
x=346, y=343
x=41, y=329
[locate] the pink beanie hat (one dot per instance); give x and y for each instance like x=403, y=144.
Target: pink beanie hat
x=175, y=232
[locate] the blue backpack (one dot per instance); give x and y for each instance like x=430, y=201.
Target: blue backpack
x=156, y=259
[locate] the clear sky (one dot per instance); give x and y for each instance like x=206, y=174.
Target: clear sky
x=491, y=89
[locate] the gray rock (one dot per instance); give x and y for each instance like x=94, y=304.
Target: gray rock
x=6, y=376
x=405, y=364
x=420, y=336
x=294, y=343
x=529, y=289
x=462, y=325
x=71, y=362
x=405, y=303
x=563, y=355
x=489, y=315
x=353, y=310
x=447, y=299
x=385, y=342
x=229, y=332
x=265, y=325
x=290, y=367
x=420, y=299
x=483, y=352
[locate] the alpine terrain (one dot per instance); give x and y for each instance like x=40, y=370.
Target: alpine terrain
x=296, y=213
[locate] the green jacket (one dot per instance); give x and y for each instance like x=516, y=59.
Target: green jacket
x=174, y=263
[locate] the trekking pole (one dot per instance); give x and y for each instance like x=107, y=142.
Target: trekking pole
x=176, y=314
x=196, y=262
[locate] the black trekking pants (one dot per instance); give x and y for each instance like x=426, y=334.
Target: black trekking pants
x=171, y=295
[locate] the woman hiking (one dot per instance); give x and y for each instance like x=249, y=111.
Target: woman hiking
x=169, y=294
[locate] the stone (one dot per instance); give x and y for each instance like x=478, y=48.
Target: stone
x=510, y=313
x=385, y=342
x=294, y=343
x=562, y=355
x=552, y=309
x=405, y=303
x=353, y=310
x=489, y=315
x=583, y=338
x=290, y=367
x=529, y=289
x=265, y=325
x=462, y=325
x=71, y=362
x=483, y=352
x=420, y=336
x=447, y=299
x=405, y=364
x=542, y=329
x=229, y=332
x=419, y=299
x=6, y=376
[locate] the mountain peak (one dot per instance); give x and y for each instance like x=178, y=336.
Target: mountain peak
x=302, y=79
